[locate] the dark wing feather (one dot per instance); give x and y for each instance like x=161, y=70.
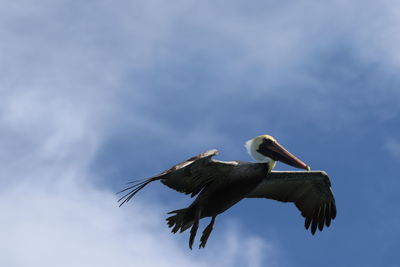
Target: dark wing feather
x=192, y=175
x=309, y=191
x=189, y=176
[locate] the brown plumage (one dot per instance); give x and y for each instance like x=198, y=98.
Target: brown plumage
x=219, y=185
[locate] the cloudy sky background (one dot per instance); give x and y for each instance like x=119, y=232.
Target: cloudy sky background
x=96, y=93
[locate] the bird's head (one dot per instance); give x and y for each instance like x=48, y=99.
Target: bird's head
x=265, y=148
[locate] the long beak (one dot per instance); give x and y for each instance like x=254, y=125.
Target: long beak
x=281, y=154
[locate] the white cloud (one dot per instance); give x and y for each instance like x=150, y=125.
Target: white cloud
x=59, y=100
x=66, y=69
x=55, y=216
x=72, y=224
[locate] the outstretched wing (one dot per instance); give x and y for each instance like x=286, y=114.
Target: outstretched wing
x=188, y=177
x=309, y=191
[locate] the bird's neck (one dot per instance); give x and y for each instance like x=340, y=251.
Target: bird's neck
x=265, y=167
x=270, y=165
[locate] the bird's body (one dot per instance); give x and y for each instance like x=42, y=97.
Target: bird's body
x=232, y=186
x=219, y=185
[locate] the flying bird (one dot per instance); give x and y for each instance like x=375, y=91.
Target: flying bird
x=221, y=184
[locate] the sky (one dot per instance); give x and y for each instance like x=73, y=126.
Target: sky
x=94, y=94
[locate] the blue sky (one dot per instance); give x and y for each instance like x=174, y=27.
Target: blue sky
x=98, y=93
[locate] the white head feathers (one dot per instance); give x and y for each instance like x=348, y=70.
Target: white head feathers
x=252, y=145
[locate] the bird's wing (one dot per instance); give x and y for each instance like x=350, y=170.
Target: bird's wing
x=309, y=191
x=192, y=175
x=189, y=176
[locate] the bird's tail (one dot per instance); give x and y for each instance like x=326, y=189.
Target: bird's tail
x=182, y=220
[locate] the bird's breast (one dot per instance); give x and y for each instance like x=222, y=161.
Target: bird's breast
x=225, y=192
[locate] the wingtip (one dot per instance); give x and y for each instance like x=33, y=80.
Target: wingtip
x=307, y=223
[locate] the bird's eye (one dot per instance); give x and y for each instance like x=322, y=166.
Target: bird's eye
x=267, y=141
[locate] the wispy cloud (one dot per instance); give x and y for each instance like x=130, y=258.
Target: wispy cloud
x=188, y=75
x=71, y=223
x=60, y=99
x=54, y=213
x=56, y=216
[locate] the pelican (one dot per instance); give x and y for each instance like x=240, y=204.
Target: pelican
x=221, y=184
